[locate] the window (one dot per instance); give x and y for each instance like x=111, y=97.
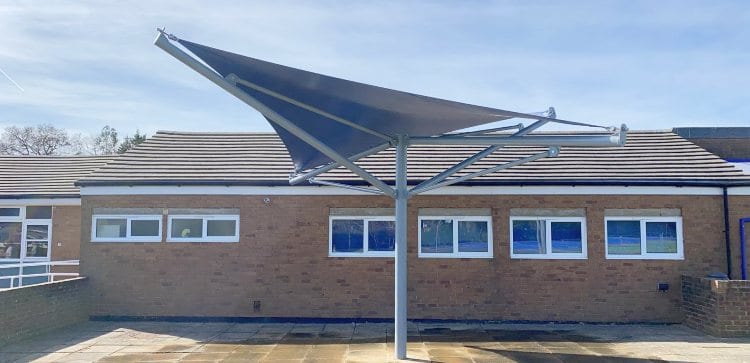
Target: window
x=10, y=240
x=658, y=238
x=10, y=212
x=548, y=237
x=34, y=212
x=455, y=237
x=25, y=233
x=204, y=228
x=126, y=228
x=37, y=240
x=361, y=236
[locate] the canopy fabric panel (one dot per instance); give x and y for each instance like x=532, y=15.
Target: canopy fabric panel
x=386, y=111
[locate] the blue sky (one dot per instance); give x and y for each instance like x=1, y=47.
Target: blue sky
x=652, y=65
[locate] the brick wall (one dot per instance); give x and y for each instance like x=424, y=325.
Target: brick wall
x=282, y=261
x=66, y=236
x=37, y=309
x=717, y=307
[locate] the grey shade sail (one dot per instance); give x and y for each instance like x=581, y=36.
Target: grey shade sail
x=383, y=110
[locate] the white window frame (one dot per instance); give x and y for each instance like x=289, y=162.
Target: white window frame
x=679, y=255
x=205, y=237
x=456, y=253
x=365, y=237
x=21, y=214
x=128, y=219
x=549, y=255
x=21, y=218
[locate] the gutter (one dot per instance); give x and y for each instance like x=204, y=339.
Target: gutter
x=280, y=182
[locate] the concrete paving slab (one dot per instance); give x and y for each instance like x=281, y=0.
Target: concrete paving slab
x=491, y=342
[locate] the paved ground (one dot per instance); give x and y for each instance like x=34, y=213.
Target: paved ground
x=230, y=342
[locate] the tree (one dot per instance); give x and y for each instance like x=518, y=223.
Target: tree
x=131, y=142
x=33, y=140
x=106, y=142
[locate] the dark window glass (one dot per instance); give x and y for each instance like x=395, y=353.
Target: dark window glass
x=111, y=227
x=624, y=237
x=38, y=212
x=381, y=235
x=10, y=212
x=37, y=232
x=661, y=237
x=437, y=236
x=10, y=239
x=220, y=228
x=566, y=237
x=144, y=228
x=472, y=236
x=187, y=228
x=347, y=235
x=37, y=248
x=529, y=237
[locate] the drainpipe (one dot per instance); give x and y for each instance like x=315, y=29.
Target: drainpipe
x=727, y=238
x=742, y=247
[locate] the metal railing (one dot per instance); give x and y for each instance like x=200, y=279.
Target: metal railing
x=16, y=280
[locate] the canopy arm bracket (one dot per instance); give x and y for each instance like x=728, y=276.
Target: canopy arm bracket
x=552, y=152
x=236, y=79
x=485, y=131
x=613, y=140
x=346, y=186
x=273, y=116
x=297, y=178
x=447, y=173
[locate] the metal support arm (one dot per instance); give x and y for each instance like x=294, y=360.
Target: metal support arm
x=163, y=43
x=234, y=78
x=476, y=157
x=298, y=178
x=346, y=186
x=553, y=151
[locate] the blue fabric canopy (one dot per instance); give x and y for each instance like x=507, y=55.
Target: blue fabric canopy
x=386, y=111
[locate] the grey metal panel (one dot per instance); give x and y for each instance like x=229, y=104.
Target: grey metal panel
x=662, y=212
x=547, y=212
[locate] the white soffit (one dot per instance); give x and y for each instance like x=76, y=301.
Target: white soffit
x=40, y=201
x=450, y=190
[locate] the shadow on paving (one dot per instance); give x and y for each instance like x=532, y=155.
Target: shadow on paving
x=531, y=357
x=367, y=342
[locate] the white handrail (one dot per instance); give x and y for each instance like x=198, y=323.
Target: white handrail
x=49, y=274
x=42, y=263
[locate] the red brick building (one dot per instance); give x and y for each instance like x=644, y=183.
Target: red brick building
x=206, y=225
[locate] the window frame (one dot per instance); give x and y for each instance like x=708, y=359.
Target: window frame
x=456, y=253
x=549, y=255
x=205, y=237
x=645, y=255
x=21, y=218
x=128, y=218
x=365, y=237
x=25, y=239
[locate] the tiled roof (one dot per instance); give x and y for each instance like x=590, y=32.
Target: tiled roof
x=45, y=176
x=261, y=159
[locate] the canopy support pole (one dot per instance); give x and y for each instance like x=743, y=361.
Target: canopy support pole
x=401, y=298
x=400, y=193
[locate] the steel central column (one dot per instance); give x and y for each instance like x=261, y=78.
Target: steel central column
x=402, y=196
